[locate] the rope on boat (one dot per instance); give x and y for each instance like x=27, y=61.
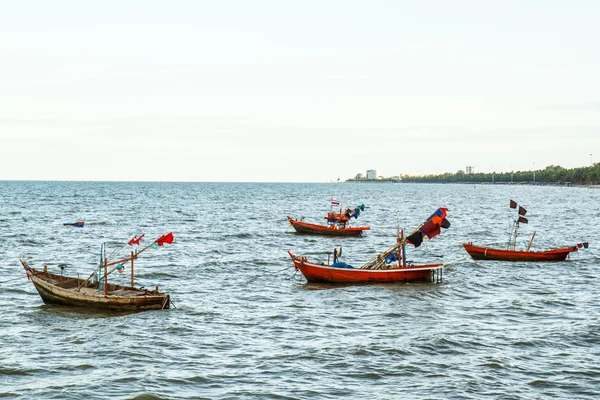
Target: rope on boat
x=9, y=280
x=281, y=270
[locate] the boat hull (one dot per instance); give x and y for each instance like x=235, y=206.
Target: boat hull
x=484, y=253
x=49, y=286
x=314, y=229
x=326, y=274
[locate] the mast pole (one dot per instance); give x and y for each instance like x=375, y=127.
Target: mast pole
x=132, y=258
x=402, y=249
x=515, y=235
x=105, y=277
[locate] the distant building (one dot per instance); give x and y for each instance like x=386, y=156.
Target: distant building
x=470, y=170
x=371, y=174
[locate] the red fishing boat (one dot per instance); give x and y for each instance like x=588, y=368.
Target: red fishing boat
x=485, y=253
x=388, y=267
x=328, y=274
x=512, y=254
x=329, y=230
x=337, y=223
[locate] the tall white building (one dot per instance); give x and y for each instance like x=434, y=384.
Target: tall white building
x=371, y=174
x=470, y=170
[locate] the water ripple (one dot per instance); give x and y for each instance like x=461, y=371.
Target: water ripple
x=246, y=327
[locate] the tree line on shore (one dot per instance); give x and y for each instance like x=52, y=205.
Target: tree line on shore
x=554, y=174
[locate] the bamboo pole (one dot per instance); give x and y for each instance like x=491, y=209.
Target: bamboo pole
x=530, y=241
x=132, y=258
x=377, y=261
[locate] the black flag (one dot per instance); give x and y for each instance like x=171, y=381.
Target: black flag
x=513, y=204
x=523, y=220
x=522, y=211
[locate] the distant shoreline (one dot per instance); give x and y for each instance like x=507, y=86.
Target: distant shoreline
x=553, y=184
x=383, y=180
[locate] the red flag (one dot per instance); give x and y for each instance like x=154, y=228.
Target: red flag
x=431, y=229
x=135, y=240
x=168, y=239
x=513, y=204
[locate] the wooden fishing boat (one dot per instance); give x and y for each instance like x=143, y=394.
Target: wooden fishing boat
x=486, y=253
x=511, y=253
x=387, y=267
x=98, y=293
x=337, y=223
x=329, y=230
x=319, y=273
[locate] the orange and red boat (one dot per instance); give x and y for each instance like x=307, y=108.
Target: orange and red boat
x=512, y=254
x=337, y=223
x=319, y=273
x=329, y=230
x=486, y=253
x=388, y=267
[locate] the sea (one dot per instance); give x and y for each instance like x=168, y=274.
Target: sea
x=244, y=325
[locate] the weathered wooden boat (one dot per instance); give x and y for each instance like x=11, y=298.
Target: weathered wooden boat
x=337, y=223
x=388, y=267
x=512, y=254
x=98, y=293
x=486, y=253
x=329, y=230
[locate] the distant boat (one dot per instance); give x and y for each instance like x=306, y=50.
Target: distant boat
x=75, y=224
x=97, y=293
x=388, y=267
x=512, y=254
x=485, y=253
x=337, y=223
x=335, y=230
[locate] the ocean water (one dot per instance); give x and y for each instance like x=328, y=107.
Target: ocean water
x=245, y=326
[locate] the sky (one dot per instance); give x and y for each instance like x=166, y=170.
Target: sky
x=306, y=91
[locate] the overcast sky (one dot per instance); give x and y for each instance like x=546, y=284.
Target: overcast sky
x=286, y=91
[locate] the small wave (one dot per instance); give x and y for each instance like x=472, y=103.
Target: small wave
x=147, y=396
x=238, y=235
x=18, y=372
x=523, y=343
x=491, y=365
x=157, y=274
x=127, y=379
x=197, y=379
x=367, y=375
x=540, y=383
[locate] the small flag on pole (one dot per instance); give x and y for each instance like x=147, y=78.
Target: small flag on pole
x=335, y=203
x=522, y=211
x=135, y=240
x=168, y=239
